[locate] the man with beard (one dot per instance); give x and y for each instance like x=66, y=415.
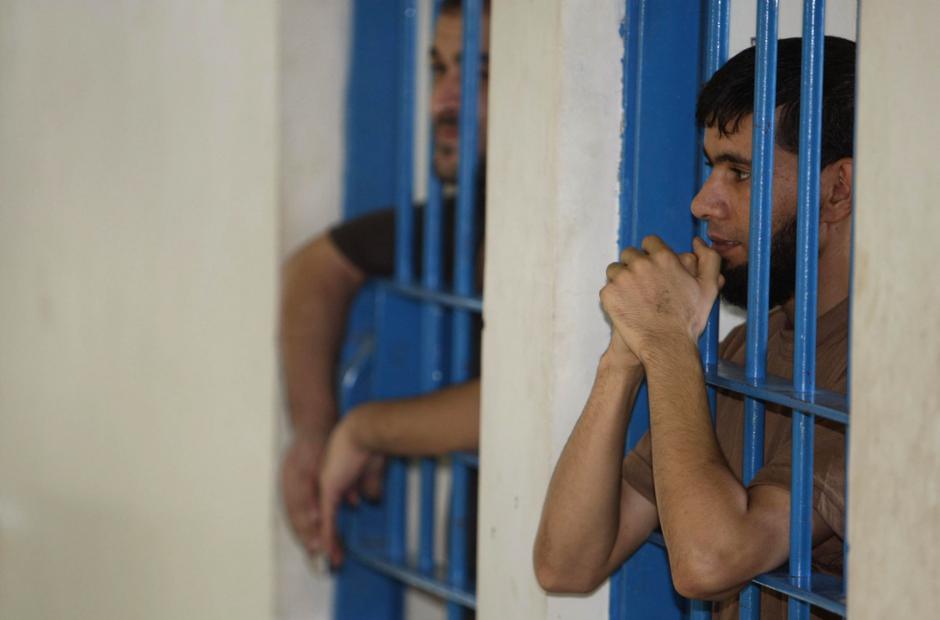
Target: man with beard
x=326, y=461
x=685, y=475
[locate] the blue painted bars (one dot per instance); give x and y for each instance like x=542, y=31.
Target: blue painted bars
x=405, y=311
x=396, y=482
x=762, y=159
x=804, y=357
x=432, y=344
x=715, y=54
x=465, y=252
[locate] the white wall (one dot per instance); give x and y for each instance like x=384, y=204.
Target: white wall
x=894, y=470
x=552, y=180
x=313, y=63
x=138, y=269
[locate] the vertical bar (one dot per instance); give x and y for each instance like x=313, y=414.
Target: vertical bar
x=632, y=32
x=765, y=89
x=465, y=251
x=804, y=358
x=716, y=52
x=432, y=323
x=404, y=265
x=404, y=214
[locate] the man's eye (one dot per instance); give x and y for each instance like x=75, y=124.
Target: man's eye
x=742, y=175
x=437, y=69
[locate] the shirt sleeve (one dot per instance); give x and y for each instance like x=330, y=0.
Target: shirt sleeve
x=368, y=241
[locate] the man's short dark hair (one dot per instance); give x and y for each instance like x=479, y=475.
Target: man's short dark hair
x=728, y=97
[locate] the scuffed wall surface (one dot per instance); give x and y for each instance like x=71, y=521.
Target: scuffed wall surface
x=138, y=239
x=894, y=482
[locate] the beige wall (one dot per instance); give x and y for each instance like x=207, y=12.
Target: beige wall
x=138, y=272
x=894, y=499
x=552, y=176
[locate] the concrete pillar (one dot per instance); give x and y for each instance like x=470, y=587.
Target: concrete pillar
x=554, y=140
x=894, y=466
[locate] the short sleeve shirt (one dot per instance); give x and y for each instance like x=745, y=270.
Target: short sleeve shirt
x=829, y=449
x=368, y=241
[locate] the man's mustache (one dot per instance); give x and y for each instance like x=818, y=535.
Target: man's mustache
x=446, y=119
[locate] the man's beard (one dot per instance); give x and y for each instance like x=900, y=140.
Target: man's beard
x=782, y=271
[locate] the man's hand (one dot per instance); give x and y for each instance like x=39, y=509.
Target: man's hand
x=299, y=474
x=654, y=295
x=347, y=467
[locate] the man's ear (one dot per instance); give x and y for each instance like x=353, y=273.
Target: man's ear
x=837, y=191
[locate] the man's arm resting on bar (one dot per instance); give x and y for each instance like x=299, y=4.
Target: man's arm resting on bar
x=592, y=519
x=318, y=284
x=430, y=425
x=718, y=533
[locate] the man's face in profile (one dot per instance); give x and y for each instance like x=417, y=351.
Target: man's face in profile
x=725, y=202
x=445, y=92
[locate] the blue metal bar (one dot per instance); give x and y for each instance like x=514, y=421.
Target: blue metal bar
x=404, y=221
x=772, y=389
x=468, y=303
x=465, y=240
x=404, y=252
x=762, y=156
x=470, y=459
x=432, y=341
x=824, y=591
x=716, y=52
x=414, y=578
x=804, y=358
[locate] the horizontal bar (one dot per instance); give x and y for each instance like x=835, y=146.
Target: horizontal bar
x=825, y=404
x=415, y=578
x=470, y=459
x=472, y=304
x=826, y=592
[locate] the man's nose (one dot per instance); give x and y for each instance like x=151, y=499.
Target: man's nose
x=447, y=92
x=708, y=203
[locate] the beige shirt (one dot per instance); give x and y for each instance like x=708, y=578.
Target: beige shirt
x=829, y=453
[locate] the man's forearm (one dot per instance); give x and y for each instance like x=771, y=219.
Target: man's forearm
x=433, y=424
x=318, y=285
x=702, y=505
x=581, y=518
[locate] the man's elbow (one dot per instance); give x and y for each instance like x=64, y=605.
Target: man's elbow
x=557, y=577
x=704, y=578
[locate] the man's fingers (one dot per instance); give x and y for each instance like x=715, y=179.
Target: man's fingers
x=709, y=261
x=372, y=478
x=613, y=269
x=690, y=263
x=653, y=244
x=328, y=530
x=631, y=254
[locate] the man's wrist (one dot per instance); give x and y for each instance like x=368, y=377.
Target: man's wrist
x=627, y=365
x=663, y=349
x=313, y=428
